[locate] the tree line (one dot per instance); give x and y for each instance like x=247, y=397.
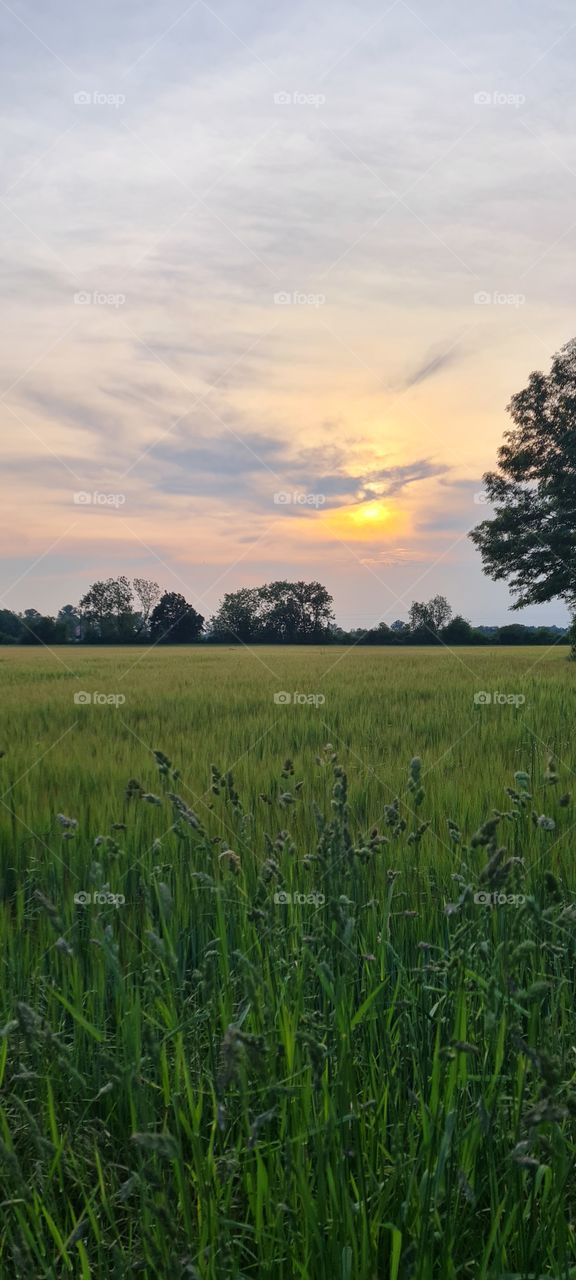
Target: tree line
x=120, y=611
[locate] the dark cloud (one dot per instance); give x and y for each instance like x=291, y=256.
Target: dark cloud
x=254, y=468
x=430, y=366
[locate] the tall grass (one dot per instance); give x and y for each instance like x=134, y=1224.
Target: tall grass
x=292, y=1044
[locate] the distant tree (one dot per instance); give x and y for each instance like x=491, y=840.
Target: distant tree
x=515, y=633
x=237, y=618
x=530, y=539
x=428, y=619
x=10, y=627
x=338, y=635
x=69, y=619
x=399, y=626
x=174, y=621
x=38, y=629
x=278, y=612
x=107, y=609
x=549, y=635
x=148, y=593
x=382, y=634
x=457, y=631
x=295, y=612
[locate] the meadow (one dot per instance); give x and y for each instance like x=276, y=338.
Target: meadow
x=288, y=983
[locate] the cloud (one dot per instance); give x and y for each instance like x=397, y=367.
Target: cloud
x=431, y=366
x=398, y=557
x=255, y=467
x=82, y=415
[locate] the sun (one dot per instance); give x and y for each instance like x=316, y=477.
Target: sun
x=370, y=513
x=373, y=521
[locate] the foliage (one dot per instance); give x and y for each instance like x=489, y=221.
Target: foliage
x=427, y=620
x=107, y=609
x=530, y=540
x=278, y=612
x=148, y=594
x=173, y=621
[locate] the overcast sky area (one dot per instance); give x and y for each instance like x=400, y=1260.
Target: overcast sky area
x=270, y=276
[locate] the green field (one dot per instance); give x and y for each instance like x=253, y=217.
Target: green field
x=375, y=1079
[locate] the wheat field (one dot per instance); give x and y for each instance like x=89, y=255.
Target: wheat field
x=288, y=942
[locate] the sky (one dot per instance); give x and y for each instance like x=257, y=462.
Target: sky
x=270, y=276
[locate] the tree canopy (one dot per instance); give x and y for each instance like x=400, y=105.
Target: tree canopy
x=174, y=621
x=530, y=540
x=278, y=613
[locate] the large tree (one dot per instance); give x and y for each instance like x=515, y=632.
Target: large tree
x=295, y=612
x=428, y=618
x=278, y=612
x=174, y=621
x=107, y=609
x=530, y=540
x=148, y=594
x=238, y=617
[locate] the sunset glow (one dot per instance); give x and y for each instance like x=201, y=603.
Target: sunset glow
x=373, y=513
x=240, y=262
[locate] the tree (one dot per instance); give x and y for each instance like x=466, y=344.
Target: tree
x=174, y=621
x=295, y=612
x=339, y=636
x=237, y=617
x=279, y=612
x=515, y=633
x=382, y=634
x=148, y=594
x=69, y=619
x=427, y=620
x=457, y=631
x=38, y=629
x=107, y=609
x=10, y=627
x=530, y=540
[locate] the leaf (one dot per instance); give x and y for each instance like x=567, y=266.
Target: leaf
x=79, y=1018
x=364, y=1007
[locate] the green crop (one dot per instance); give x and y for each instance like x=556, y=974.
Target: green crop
x=287, y=985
